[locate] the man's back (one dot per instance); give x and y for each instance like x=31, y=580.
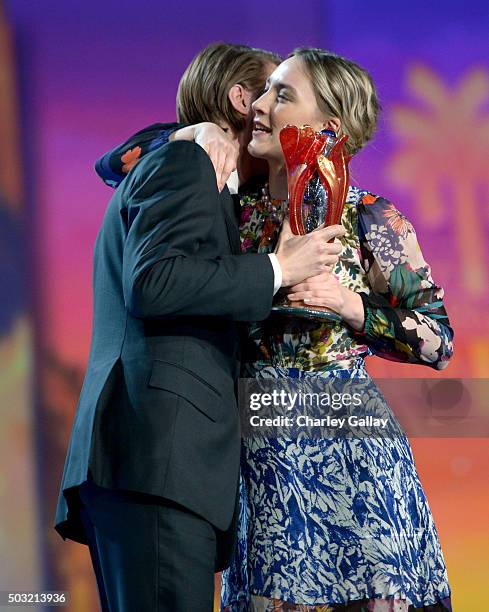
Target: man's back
x=157, y=411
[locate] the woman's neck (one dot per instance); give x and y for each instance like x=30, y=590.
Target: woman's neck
x=277, y=181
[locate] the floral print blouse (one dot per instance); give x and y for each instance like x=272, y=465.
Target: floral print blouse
x=405, y=319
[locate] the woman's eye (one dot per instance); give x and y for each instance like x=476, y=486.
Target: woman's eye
x=281, y=97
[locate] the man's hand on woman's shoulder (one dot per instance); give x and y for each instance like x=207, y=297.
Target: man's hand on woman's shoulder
x=219, y=145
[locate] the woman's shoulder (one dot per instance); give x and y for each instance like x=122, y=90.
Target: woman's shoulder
x=371, y=203
x=379, y=216
x=364, y=197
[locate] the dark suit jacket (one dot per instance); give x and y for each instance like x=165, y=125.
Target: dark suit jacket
x=157, y=411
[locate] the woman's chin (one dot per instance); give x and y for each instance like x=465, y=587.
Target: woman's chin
x=264, y=150
x=256, y=148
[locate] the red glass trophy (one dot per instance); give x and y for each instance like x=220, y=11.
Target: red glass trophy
x=317, y=175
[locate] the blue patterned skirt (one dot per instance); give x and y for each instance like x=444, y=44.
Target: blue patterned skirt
x=330, y=521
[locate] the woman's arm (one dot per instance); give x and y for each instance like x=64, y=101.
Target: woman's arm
x=405, y=318
x=114, y=165
x=223, y=150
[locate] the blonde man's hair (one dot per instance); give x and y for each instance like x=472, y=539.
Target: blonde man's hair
x=204, y=87
x=344, y=90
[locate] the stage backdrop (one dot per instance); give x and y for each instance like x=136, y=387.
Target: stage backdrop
x=19, y=504
x=91, y=73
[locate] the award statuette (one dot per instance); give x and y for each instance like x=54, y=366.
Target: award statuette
x=317, y=177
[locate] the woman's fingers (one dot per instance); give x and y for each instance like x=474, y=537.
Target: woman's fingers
x=321, y=281
x=309, y=295
x=328, y=299
x=322, y=289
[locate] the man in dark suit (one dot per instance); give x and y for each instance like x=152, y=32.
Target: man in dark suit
x=150, y=480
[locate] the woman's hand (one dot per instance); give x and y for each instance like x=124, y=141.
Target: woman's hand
x=219, y=145
x=326, y=290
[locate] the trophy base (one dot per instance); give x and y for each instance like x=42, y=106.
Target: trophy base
x=305, y=311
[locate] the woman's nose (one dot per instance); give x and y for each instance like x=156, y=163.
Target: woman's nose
x=259, y=105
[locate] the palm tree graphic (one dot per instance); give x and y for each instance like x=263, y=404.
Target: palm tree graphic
x=443, y=161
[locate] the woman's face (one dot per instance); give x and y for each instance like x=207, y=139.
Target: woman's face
x=288, y=98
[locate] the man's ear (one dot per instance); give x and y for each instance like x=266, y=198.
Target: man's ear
x=333, y=123
x=240, y=98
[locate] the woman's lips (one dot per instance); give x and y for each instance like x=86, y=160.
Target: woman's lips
x=259, y=129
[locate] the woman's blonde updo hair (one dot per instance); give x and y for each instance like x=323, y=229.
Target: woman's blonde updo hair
x=204, y=87
x=345, y=90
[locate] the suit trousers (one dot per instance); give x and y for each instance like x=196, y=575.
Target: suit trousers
x=149, y=554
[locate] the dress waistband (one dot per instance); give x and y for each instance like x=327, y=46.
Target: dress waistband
x=357, y=368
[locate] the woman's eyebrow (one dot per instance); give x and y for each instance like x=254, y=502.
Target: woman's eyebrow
x=281, y=86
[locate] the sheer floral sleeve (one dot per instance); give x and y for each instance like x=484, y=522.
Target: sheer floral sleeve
x=405, y=319
x=114, y=165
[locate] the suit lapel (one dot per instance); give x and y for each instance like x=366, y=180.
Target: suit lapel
x=228, y=204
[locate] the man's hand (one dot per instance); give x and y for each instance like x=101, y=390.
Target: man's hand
x=303, y=256
x=219, y=145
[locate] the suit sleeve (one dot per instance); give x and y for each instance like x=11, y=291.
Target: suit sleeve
x=172, y=204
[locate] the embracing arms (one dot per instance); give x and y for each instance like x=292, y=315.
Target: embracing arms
x=171, y=205
x=114, y=165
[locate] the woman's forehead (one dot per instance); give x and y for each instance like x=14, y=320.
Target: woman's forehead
x=289, y=72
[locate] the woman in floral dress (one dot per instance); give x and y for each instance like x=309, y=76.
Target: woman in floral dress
x=337, y=523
